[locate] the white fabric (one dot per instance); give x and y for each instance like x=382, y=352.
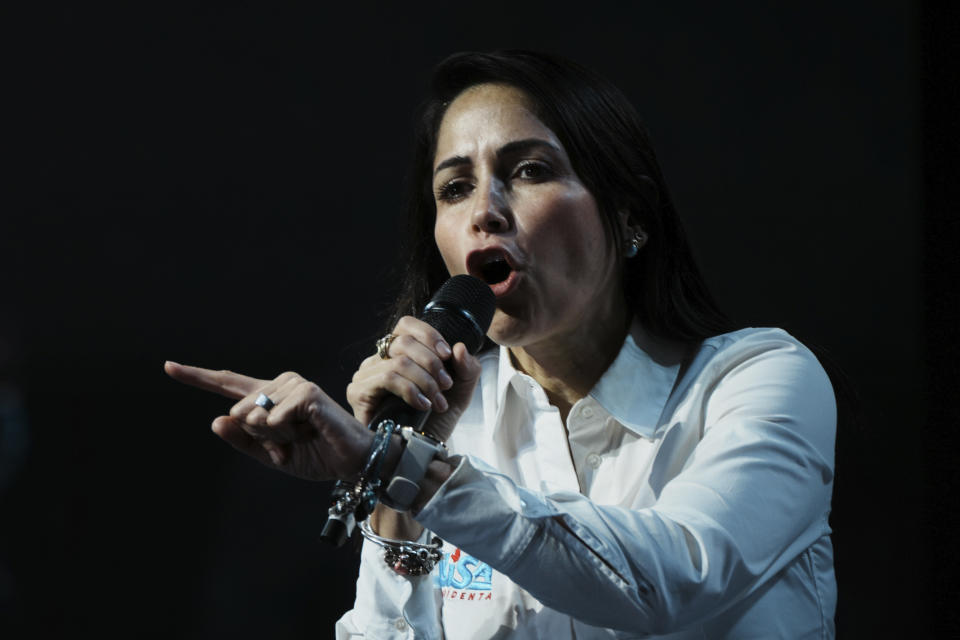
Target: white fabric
x=692, y=508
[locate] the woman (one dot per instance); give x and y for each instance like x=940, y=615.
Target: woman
x=622, y=463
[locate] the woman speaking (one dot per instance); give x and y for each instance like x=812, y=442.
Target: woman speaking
x=617, y=460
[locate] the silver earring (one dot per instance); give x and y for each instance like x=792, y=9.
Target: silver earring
x=633, y=246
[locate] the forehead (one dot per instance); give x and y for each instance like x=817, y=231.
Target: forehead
x=488, y=116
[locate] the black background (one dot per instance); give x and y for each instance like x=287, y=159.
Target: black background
x=222, y=186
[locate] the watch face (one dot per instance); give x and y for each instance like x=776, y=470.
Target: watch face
x=409, y=432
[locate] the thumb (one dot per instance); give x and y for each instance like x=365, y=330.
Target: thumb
x=465, y=367
x=466, y=370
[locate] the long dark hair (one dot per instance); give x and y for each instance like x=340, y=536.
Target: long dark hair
x=610, y=152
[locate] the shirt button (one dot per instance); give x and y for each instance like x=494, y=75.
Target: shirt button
x=593, y=460
x=587, y=412
x=400, y=624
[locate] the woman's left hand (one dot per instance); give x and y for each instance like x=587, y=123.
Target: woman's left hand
x=305, y=433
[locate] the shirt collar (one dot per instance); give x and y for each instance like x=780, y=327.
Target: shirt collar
x=634, y=389
x=506, y=374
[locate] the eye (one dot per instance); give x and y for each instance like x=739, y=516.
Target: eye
x=533, y=171
x=453, y=190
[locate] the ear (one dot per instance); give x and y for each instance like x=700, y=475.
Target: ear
x=631, y=229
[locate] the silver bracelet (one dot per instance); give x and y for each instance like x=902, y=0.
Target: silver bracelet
x=403, y=556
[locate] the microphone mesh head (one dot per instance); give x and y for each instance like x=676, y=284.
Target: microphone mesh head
x=445, y=312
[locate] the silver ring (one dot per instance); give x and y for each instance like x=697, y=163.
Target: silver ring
x=263, y=401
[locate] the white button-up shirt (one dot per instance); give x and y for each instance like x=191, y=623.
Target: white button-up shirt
x=682, y=508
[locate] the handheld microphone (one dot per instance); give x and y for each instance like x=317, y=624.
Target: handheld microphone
x=461, y=310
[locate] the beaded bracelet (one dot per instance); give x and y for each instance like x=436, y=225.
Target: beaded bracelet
x=403, y=556
x=370, y=476
x=352, y=503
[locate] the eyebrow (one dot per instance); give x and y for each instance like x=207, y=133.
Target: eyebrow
x=517, y=146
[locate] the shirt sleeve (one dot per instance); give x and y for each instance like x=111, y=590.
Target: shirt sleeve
x=753, y=495
x=391, y=606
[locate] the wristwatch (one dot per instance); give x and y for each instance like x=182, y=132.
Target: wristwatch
x=418, y=450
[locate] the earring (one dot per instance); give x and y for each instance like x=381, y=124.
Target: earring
x=633, y=246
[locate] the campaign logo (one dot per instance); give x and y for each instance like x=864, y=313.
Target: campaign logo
x=460, y=576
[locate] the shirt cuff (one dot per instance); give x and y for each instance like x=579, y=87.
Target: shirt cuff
x=390, y=605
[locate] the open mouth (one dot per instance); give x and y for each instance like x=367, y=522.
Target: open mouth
x=495, y=271
x=495, y=266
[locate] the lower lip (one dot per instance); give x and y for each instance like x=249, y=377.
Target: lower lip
x=503, y=288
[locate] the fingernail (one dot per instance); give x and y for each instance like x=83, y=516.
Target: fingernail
x=275, y=456
x=443, y=349
x=445, y=380
x=441, y=403
x=424, y=401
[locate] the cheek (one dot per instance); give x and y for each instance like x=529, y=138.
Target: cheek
x=579, y=241
x=444, y=238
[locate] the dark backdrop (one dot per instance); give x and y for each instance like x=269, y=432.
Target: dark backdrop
x=221, y=186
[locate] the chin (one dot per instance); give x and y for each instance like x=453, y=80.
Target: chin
x=509, y=331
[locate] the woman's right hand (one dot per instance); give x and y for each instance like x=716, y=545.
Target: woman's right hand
x=416, y=373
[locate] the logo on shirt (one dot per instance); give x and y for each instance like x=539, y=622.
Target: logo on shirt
x=460, y=576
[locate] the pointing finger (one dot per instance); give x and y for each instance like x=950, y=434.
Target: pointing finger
x=226, y=383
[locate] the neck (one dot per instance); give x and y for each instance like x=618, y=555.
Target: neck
x=568, y=365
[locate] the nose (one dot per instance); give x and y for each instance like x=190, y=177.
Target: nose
x=491, y=213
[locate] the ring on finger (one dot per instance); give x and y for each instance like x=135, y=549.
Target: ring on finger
x=383, y=346
x=264, y=401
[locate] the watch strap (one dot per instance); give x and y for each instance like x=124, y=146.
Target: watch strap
x=418, y=452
